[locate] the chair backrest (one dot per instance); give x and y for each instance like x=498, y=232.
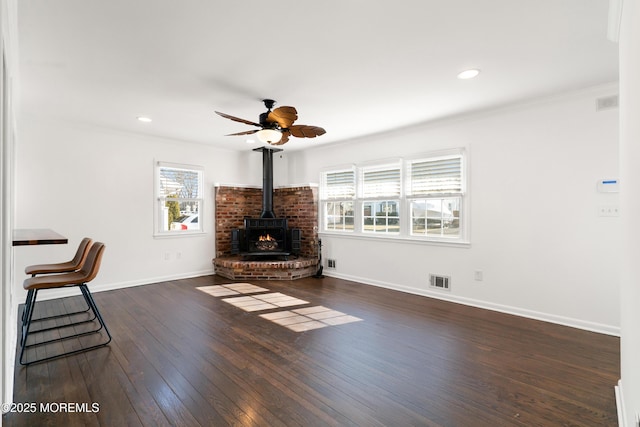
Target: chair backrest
x=81, y=253
x=92, y=263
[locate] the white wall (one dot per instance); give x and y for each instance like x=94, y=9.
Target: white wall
x=534, y=228
x=86, y=181
x=8, y=107
x=629, y=387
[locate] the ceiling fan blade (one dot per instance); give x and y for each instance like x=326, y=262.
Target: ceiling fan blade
x=284, y=116
x=306, y=131
x=237, y=119
x=247, y=132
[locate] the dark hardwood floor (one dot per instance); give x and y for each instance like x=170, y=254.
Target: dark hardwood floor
x=181, y=357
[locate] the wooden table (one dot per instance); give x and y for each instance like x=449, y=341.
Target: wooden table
x=37, y=236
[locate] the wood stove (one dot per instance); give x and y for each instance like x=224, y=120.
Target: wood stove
x=266, y=236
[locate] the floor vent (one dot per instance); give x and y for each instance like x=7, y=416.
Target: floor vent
x=607, y=103
x=440, y=282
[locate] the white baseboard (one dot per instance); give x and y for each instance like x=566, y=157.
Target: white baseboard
x=67, y=292
x=522, y=312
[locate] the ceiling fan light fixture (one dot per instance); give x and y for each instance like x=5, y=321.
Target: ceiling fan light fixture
x=269, y=136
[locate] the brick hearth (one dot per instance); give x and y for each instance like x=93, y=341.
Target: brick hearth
x=235, y=268
x=297, y=204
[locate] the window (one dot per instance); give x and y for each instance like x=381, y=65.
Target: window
x=178, y=199
x=338, y=191
x=380, y=217
x=435, y=196
x=435, y=217
x=381, y=199
x=421, y=198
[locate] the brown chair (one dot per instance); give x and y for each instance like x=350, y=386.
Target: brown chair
x=79, y=278
x=62, y=267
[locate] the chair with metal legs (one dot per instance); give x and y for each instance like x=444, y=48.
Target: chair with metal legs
x=56, y=268
x=79, y=278
x=62, y=267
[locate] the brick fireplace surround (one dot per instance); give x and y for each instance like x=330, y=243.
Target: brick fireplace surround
x=297, y=204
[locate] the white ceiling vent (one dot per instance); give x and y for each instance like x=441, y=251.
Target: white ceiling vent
x=607, y=103
x=440, y=282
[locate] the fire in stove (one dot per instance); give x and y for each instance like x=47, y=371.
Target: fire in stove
x=266, y=243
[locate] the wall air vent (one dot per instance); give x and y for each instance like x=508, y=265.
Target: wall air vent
x=607, y=103
x=440, y=282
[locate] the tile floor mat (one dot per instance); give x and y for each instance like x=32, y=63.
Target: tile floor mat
x=264, y=301
x=307, y=318
x=231, y=289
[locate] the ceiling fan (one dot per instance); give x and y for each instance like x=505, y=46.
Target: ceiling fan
x=276, y=126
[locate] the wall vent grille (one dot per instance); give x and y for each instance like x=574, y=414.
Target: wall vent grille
x=607, y=102
x=440, y=282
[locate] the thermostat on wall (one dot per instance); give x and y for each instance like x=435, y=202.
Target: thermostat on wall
x=611, y=185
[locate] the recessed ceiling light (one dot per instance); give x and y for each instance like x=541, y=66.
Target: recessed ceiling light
x=468, y=74
x=144, y=119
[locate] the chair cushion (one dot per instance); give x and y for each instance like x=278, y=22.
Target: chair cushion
x=62, y=267
x=54, y=281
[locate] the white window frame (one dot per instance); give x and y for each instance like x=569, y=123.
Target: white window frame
x=404, y=198
x=161, y=200
x=327, y=197
x=380, y=183
x=453, y=186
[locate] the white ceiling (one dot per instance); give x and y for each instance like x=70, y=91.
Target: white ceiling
x=354, y=67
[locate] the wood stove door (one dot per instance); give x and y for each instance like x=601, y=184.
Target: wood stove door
x=266, y=240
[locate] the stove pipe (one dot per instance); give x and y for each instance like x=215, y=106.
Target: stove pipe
x=267, y=181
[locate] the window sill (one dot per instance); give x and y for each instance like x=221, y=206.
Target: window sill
x=179, y=234
x=397, y=239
